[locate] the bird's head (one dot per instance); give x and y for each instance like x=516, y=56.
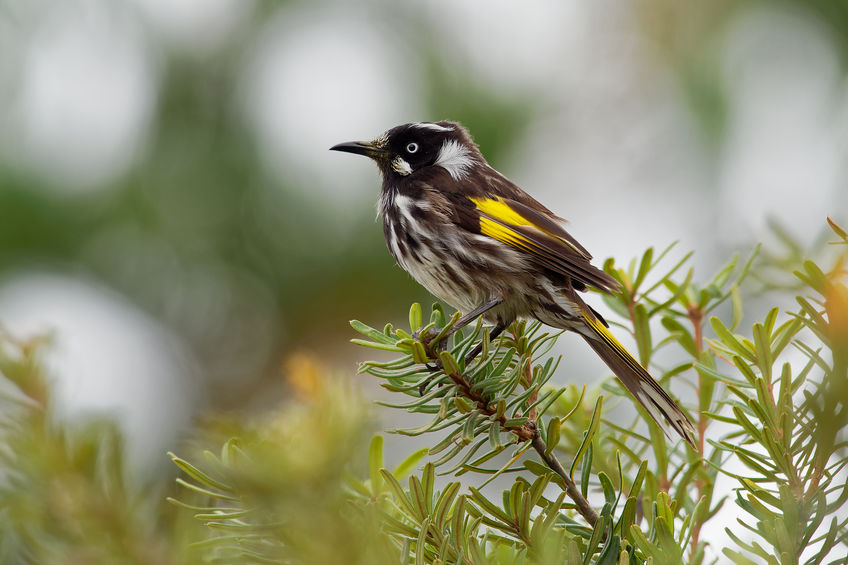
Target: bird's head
x=408, y=148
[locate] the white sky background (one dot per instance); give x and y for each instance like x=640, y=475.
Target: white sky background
x=616, y=150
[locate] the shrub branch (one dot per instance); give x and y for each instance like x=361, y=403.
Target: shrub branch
x=571, y=489
x=530, y=431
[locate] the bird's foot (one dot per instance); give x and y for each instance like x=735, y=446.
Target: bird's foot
x=432, y=350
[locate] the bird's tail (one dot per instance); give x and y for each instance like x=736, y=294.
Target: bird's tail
x=662, y=408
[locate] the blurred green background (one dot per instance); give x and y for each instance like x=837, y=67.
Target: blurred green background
x=170, y=214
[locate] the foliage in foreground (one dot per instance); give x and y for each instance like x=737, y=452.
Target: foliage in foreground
x=585, y=487
x=64, y=493
x=517, y=471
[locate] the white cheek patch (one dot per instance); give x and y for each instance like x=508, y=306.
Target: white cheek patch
x=400, y=166
x=455, y=159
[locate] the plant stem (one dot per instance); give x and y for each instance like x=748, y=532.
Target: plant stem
x=524, y=432
x=696, y=317
x=571, y=489
x=529, y=431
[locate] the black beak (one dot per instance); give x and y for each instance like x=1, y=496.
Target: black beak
x=369, y=149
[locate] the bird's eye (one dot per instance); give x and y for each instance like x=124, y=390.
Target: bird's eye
x=412, y=148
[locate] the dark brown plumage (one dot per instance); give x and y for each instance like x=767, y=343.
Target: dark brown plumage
x=477, y=241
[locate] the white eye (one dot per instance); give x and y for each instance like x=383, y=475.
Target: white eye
x=412, y=148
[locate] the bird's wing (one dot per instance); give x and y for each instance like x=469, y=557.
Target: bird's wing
x=541, y=236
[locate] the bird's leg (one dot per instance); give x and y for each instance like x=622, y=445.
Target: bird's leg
x=467, y=319
x=471, y=316
x=461, y=323
x=493, y=333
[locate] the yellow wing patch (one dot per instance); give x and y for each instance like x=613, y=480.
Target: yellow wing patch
x=496, y=209
x=502, y=233
x=540, y=236
x=499, y=210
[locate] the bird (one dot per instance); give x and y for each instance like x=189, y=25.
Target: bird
x=478, y=242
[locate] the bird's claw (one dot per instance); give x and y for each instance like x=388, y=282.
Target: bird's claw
x=432, y=349
x=436, y=365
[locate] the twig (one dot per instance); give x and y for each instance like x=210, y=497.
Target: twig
x=696, y=317
x=524, y=432
x=571, y=489
x=531, y=431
